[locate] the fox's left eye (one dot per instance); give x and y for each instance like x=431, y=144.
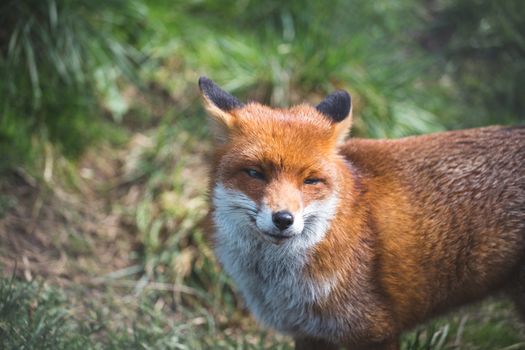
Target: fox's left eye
x=255, y=174
x=312, y=181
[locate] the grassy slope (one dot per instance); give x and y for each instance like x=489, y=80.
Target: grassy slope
x=115, y=246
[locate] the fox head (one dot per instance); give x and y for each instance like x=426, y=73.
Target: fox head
x=276, y=175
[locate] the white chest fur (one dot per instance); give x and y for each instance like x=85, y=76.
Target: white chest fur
x=271, y=277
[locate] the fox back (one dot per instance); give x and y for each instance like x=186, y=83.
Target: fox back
x=351, y=243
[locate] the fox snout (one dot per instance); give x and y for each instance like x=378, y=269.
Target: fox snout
x=282, y=219
x=280, y=210
x=279, y=224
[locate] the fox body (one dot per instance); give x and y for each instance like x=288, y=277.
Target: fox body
x=351, y=243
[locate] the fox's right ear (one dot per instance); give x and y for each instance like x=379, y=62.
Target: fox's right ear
x=338, y=108
x=219, y=105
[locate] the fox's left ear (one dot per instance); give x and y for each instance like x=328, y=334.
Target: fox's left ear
x=219, y=104
x=338, y=107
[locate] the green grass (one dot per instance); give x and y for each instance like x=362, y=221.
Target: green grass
x=32, y=317
x=110, y=210
x=62, y=64
x=37, y=316
x=488, y=325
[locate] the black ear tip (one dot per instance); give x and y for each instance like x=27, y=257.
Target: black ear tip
x=343, y=96
x=337, y=105
x=217, y=96
x=204, y=83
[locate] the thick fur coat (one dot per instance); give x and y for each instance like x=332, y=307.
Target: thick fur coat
x=385, y=234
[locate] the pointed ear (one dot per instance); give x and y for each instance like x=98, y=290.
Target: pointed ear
x=338, y=108
x=219, y=104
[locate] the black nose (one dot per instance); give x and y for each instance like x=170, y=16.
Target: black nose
x=282, y=219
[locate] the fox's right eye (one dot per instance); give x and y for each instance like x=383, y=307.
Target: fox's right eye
x=255, y=174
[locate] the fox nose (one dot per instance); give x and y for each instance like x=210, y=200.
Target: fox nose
x=282, y=219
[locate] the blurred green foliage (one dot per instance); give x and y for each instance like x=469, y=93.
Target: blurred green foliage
x=481, y=45
x=58, y=59
x=413, y=67
x=286, y=53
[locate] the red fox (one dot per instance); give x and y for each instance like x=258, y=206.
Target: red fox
x=350, y=243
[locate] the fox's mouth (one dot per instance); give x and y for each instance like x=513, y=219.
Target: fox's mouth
x=278, y=236
x=275, y=238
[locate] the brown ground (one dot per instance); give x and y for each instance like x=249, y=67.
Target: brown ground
x=51, y=232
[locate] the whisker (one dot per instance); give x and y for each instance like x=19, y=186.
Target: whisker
x=239, y=210
x=241, y=207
